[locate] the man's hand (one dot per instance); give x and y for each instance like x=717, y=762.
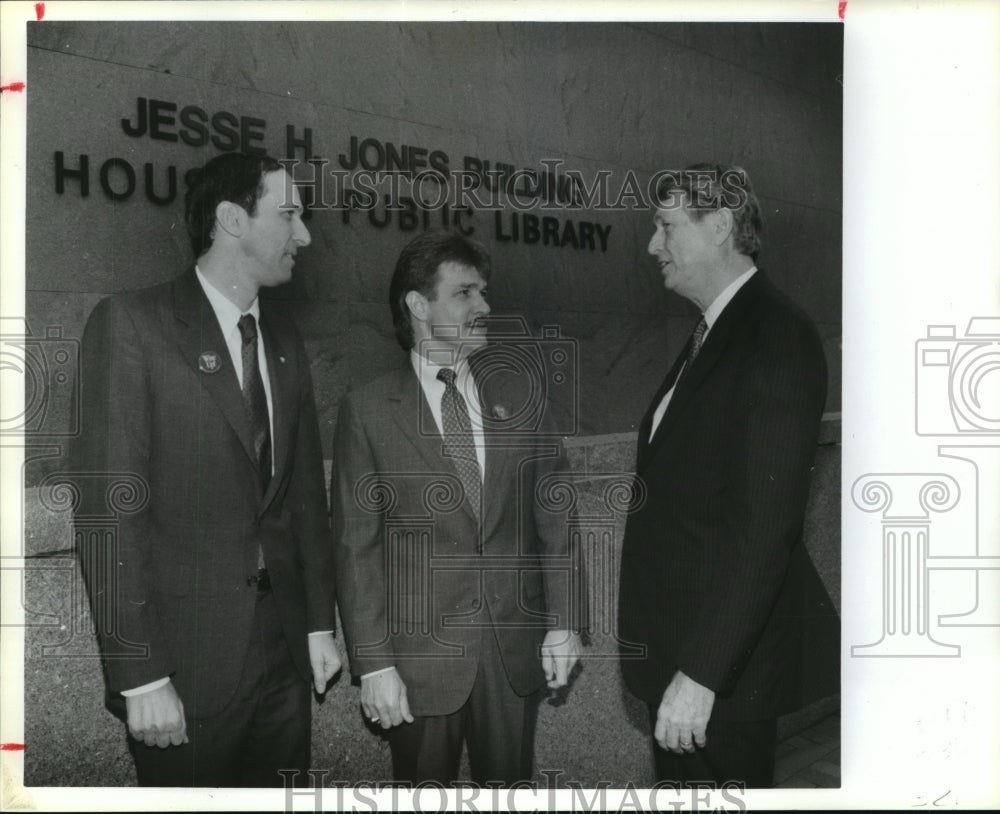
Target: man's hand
x=683, y=715
x=383, y=699
x=157, y=717
x=324, y=658
x=560, y=653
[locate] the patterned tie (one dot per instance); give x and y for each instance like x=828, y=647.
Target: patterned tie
x=696, y=339
x=254, y=398
x=459, y=441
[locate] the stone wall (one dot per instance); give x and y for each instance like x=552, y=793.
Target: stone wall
x=622, y=99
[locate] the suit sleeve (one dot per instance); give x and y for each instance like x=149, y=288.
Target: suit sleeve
x=114, y=448
x=310, y=517
x=781, y=393
x=358, y=502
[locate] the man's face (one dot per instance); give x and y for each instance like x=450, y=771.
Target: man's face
x=684, y=246
x=454, y=315
x=275, y=232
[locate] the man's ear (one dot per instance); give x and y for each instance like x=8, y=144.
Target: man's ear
x=723, y=223
x=417, y=303
x=231, y=218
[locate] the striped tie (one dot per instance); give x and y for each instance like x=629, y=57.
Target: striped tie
x=254, y=398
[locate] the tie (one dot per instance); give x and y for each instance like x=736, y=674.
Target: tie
x=458, y=439
x=696, y=339
x=254, y=398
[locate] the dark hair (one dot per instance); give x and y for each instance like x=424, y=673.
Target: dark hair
x=417, y=270
x=710, y=187
x=235, y=177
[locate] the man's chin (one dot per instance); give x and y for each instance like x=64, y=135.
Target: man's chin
x=283, y=274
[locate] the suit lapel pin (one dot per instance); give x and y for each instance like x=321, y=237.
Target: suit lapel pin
x=209, y=362
x=499, y=411
x=281, y=359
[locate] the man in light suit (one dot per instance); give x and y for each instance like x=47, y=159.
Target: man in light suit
x=223, y=573
x=713, y=570
x=452, y=617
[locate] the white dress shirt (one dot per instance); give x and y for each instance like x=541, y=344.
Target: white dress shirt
x=229, y=317
x=711, y=315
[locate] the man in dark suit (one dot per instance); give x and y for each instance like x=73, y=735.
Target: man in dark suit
x=453, y=618
x=223, y=572
x=712, y=563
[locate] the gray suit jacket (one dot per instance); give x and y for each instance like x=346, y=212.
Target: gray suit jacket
x=162, y=403
x=414, y=590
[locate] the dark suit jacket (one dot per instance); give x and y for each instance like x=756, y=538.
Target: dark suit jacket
x=712, y=563
x=397, y=502
x=183, y=560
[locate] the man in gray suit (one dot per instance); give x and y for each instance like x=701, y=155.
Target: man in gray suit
x=223, y=570
x=452, y=619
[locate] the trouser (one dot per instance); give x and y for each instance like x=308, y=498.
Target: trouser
x=265, y=727
x=496, y=724
x=736, y=751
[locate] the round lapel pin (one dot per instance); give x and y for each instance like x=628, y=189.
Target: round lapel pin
x=209, y=362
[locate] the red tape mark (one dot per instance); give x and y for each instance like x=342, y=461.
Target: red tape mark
x=842, y=9
x=16, y=87
x=11, y=747
x=39, y=10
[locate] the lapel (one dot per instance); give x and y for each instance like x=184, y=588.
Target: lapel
x=199, y=338
x=496, y=454
x=647, y=420
x=279, y=346
x=720, y=340
x=412, y=414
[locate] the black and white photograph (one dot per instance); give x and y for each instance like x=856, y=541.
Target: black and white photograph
x=552, y=408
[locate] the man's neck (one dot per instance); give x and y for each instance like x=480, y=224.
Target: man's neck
x=224, y=274
x=720, y=279
x=442, y=355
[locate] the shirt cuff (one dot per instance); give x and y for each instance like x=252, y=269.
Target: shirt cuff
x=152, y=685
x=376, y=672
x=320, y=632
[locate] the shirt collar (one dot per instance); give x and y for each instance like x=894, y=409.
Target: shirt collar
x=225, y=311
x=427, y=370
x=719, y=303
